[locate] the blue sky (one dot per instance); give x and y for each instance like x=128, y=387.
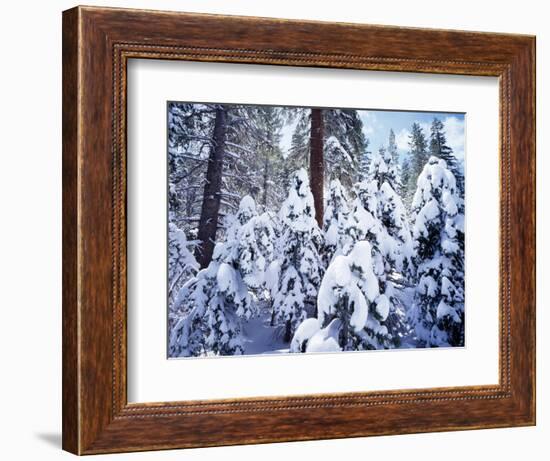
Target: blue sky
x=377, y=125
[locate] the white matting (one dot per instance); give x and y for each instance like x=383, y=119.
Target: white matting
x=151, y=377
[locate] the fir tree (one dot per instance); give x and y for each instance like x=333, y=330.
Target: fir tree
x=334, y=220
x=394, y=154
x=438, y=310
x=405, y=179
x=380, y=217
x=345, y=144
x=382, y=168
x=263, y=169
x=218, y=153
x=181, y=262
x=391, y=212
x=351, y=308
x=301, y=266
x=440, y=149
x=298, y=154
x=189, y=146
x=418, y=155
x=215, y=301
x=350, y=293
x=332, y=148
x=364, y=160
x=209, y=301
x=392, y=147
x=363, y=225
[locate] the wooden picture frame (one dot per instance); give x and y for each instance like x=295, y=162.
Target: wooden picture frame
x=97, y=43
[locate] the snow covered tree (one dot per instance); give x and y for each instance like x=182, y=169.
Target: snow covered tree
x=181, y=262
x=382, y=168
x=218, y=153
x=305, y=331
x=392, y=147
x=297, y=155
x=351, y=309
x=438, y=309
x=271, y=193
x=440, y=149
x=345, y=144
x=406, y=174
x=213, y=303
x=376, y=206
x=299, y=146
x=394, y=240
x=364, y=160
x=300, y=262
x=189, y=146
x=350, y=292
x=418, y=155
x=363, y=225
x=332, y=147
x=248, y=246
x=395, y=163
x=334, y=220
x=386, y=204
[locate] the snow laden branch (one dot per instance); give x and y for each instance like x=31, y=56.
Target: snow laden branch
x=181, y=263
x=301, y=266
x=351, y=309
x=438, y=309
x=213, y=304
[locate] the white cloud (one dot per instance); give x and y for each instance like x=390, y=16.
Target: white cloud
x=402, y=139
x=286, y=137
x=370, y=122
x=454, y=132
x=427, y=129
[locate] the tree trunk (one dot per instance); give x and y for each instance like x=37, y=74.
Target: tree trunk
x=273, y=314
x=208, y=223
x=288, y=330
x=316, y=162
x=265, y=176
x=344, y=333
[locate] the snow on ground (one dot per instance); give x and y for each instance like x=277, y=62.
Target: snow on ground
x=259, y=337
x=407, y=296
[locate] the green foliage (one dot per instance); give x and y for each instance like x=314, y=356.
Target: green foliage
x=418, y=156
x=440, y=149
x=345, y=144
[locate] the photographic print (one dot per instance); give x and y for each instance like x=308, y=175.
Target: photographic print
x=310, y=229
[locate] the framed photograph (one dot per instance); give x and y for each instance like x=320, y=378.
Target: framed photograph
x=281, y=230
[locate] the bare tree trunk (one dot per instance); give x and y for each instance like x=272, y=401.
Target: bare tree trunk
x=344, y=333
x=316, y=162
x=288, y=330
x=208, y=223
x=273, y=314
x=265, y=176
